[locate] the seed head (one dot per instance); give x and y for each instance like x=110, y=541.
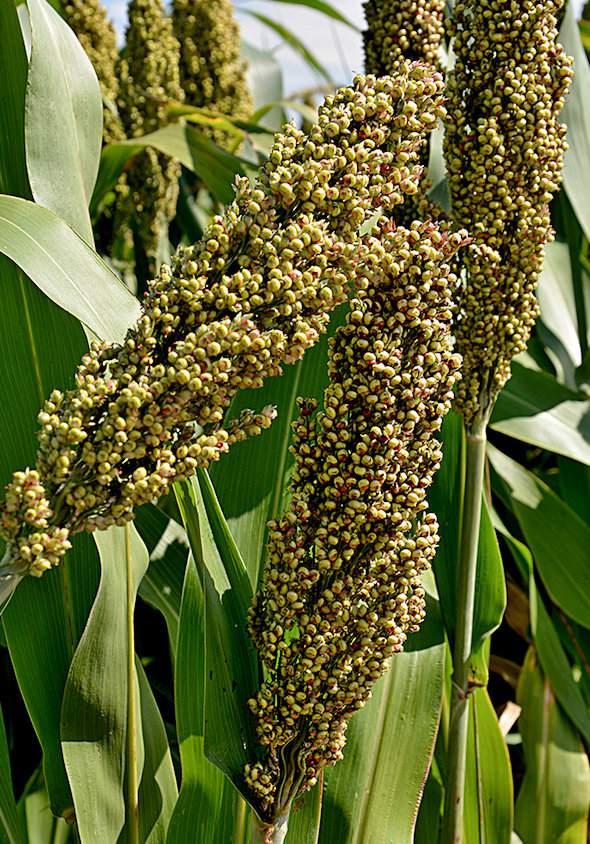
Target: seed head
x=342, y=583
x=504, y=148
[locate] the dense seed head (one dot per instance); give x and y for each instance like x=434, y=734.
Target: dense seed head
x=402, y=30
x=149, y=81
x=342, y=585
x=255, y=293
x=504, y=147
x=212, y=71
x=88, y=19
x=399, y=31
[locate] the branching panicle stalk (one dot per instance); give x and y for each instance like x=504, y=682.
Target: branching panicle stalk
x=255, y=293
x=342, y=583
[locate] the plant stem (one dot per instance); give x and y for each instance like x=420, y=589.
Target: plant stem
x=132, y=780
x=459, y=718
x=275, y=833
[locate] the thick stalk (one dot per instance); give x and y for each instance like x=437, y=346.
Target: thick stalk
x=459, y=718
x=132, y=774
x=275, y=833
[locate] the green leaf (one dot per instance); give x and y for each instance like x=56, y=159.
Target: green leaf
x=41, y=826
x=43, y=624
x=446, y=500
x=209, y=808
x=10, y=828
x=554, y=798
x=216, y=167
x=488, y=782
x=305, y=817
x=63, y=120
x=557, y=299
x=65, y=268
x=103, y=707
x=230, y=661
x=561, y=556
x=576, y=116
x=324, y=8
x=293, y=41
x=535, y=408
x=162, y=585
x=374, y=793
x=549, y=648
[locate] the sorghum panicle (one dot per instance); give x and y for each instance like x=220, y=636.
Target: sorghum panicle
x=96, y=33
x=504, y=147
x=255, y=293
x=399, y=31
x=212, y=72
x=342, y=586
x=149, y=81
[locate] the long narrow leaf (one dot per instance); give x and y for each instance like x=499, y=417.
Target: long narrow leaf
x=63, y=119
x=65, y=268
x=11, y=831
x=292, y=41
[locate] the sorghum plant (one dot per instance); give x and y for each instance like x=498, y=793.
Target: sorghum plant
x=504, y=148
x=342, y=583
x=212, y=73
x=253, y=294
x=89, y=20
x=149, y=81
x=399, y=31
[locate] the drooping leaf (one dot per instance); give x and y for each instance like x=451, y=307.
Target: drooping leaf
x=537, y=409
x=65, y=268
x=230, y=662
x=372, y=795
x=208, y=807
x=63, y=120
x=561, y=556
x=216, y=167
x=554, y=797
x=557, y=300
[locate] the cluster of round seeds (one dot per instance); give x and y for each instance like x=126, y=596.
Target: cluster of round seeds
x=399, y=31
x=255, y=293
x=149, y=81
x=88, y=19
x=504, y=147
x=341, y=586
x=212, y=72
x=402, y=30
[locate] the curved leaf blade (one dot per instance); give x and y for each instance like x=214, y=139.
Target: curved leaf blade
x=63, y=119
x=292, y=41
x=65, y=268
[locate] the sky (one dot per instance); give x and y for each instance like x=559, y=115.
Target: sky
x=337, y=46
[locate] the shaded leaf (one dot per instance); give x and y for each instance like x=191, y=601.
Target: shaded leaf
x=561, y=556
x=11, y=831
x=207, y=808
x=230, y=661
x=554, y=798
